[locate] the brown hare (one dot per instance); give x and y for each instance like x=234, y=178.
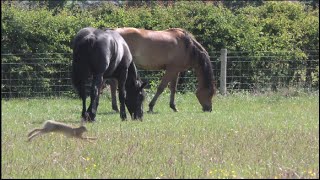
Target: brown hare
x=53, y=126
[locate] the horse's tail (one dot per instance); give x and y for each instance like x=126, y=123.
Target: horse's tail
x=79, y=76
x=90, y=40
x=202, y=59
x=82, y=51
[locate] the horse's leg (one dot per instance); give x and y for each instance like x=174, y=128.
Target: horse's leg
x=83, y=96
x=122, y=93
x=94, y=95
x=113, y=86
x=103, y=85
x=167, y=77
x=173, y=89
x=181, y=80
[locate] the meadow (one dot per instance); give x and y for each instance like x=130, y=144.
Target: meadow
x=245, y=136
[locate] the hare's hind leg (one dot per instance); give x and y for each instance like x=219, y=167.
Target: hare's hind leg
x=30, y=133
x=35, y=134
x=89, y=138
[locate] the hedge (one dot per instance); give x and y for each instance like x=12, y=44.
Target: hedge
x=269, y=28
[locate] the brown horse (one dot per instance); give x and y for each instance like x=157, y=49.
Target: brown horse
x=173, y=50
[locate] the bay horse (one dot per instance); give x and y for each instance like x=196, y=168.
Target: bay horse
x=105, y=54
x=173, y=50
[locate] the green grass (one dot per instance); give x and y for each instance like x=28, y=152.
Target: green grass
x=245, y=136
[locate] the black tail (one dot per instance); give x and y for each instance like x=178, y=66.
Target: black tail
x=80, y=65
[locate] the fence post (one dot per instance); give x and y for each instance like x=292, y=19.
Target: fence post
x=223, y=74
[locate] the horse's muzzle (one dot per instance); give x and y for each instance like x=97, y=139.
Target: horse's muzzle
x=137, y=115
x=207, y=108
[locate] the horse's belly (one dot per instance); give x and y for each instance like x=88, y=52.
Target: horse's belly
x=148, y=63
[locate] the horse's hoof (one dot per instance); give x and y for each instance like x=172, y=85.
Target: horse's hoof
x=173, y=107
x=136, y=119
x=83, y=120
x=123, y=117
x=150, y=109
x=115, y=109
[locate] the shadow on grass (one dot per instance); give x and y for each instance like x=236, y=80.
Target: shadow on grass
x=76, y=121
x=108, y=113
x=152, y=112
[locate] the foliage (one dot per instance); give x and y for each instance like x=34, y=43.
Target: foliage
x=284, y=37
x=259, y=29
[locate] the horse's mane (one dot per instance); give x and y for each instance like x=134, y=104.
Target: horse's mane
x=133, y=72
x=202, y=59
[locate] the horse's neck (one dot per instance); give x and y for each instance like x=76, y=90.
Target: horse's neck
x=200, y=75
x=203, y=69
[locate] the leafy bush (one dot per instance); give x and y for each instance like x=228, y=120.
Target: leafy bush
x=264, y=29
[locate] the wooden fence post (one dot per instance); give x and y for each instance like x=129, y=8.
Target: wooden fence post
x=223, y=74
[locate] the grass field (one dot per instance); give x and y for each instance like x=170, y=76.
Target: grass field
x=245, y=136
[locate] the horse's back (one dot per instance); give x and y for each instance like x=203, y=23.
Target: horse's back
x=155, y=49
x=80, y=37
x=149, y=38
x=121, y=55
x=112, y=39
x=101, y=50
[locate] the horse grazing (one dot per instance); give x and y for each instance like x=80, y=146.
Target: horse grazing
x=105, y=54
x=173, y=50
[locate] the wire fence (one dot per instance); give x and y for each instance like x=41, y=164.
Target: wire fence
x=270, y=71
x=49, y=74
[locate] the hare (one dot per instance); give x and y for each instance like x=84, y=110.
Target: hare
x=53, y=126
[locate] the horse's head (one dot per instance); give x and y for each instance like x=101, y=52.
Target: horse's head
x=205, y=95
x=134, y=99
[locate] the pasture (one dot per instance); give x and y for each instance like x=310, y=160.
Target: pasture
x=245, y=136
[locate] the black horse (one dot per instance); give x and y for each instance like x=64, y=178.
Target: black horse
x=105, y=54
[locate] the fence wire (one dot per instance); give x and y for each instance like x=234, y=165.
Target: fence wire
x=270, y=71
x=49, y=74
